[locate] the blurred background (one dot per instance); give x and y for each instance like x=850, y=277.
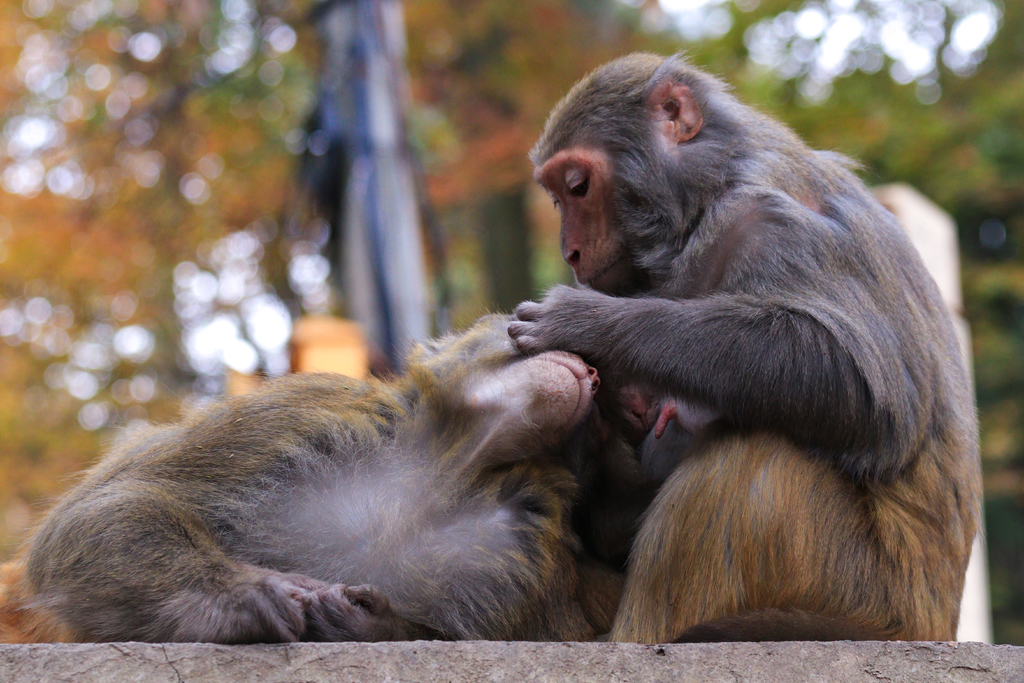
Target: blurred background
x=181, y=182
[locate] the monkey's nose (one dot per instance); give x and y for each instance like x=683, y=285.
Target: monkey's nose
x=595, y=381
x=573, y=260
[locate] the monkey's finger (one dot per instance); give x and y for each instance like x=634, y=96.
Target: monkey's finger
x=528, y=345
x=369, y=598
x=279, y=605
x=529, y=311
x=290, y=618
x=331, y=616
x=518, y=329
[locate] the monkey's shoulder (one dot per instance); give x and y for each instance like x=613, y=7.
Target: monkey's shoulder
x=847, y=234
x=847, y=213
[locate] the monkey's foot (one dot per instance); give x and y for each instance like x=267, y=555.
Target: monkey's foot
x=361, y=613
x=262, y=607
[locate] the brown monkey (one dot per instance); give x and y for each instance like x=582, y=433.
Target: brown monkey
x=257, y=518
x=757, y=284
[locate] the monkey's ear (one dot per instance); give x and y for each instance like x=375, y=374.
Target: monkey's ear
x=675, y=111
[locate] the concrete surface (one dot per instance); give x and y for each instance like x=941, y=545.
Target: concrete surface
x=427, y=662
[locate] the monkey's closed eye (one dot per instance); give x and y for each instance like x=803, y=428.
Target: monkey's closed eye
x=578, y=182
x=580, y=190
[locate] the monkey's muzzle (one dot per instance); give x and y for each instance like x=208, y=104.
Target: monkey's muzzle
x=568, y=384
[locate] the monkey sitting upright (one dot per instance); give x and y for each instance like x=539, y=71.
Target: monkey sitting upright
x=258, y=518
x=754, y=283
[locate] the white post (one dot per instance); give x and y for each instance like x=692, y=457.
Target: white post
x=933, y=232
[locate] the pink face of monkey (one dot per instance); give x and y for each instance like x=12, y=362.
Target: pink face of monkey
x=581, y=179
x=579, y=182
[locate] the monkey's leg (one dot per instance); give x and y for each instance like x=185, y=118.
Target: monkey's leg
x=143, y=566
x=750, y=523
x=127, y=563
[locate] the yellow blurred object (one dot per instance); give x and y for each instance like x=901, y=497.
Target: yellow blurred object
x=239, y=383
x=320, y=343
x=326, y=344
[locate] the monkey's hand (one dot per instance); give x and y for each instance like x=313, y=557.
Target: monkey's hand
x=568, y=319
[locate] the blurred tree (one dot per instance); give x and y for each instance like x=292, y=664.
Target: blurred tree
x=504, y=226
x=139, y=141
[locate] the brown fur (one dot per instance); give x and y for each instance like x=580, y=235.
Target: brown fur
x=751, y=523
x=252, y=519
x=20, y=623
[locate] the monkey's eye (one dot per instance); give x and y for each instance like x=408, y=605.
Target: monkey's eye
x=577, y=182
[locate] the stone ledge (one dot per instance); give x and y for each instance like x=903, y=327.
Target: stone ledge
x=427, y=662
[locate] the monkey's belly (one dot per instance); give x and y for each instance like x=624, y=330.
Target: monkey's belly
x=383, y=524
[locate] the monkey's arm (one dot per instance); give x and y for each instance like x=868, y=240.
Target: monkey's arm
x=822, y=380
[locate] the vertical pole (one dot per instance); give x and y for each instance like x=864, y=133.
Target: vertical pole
x=381, y=247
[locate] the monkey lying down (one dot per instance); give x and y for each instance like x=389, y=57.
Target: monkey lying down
x=324, y=508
